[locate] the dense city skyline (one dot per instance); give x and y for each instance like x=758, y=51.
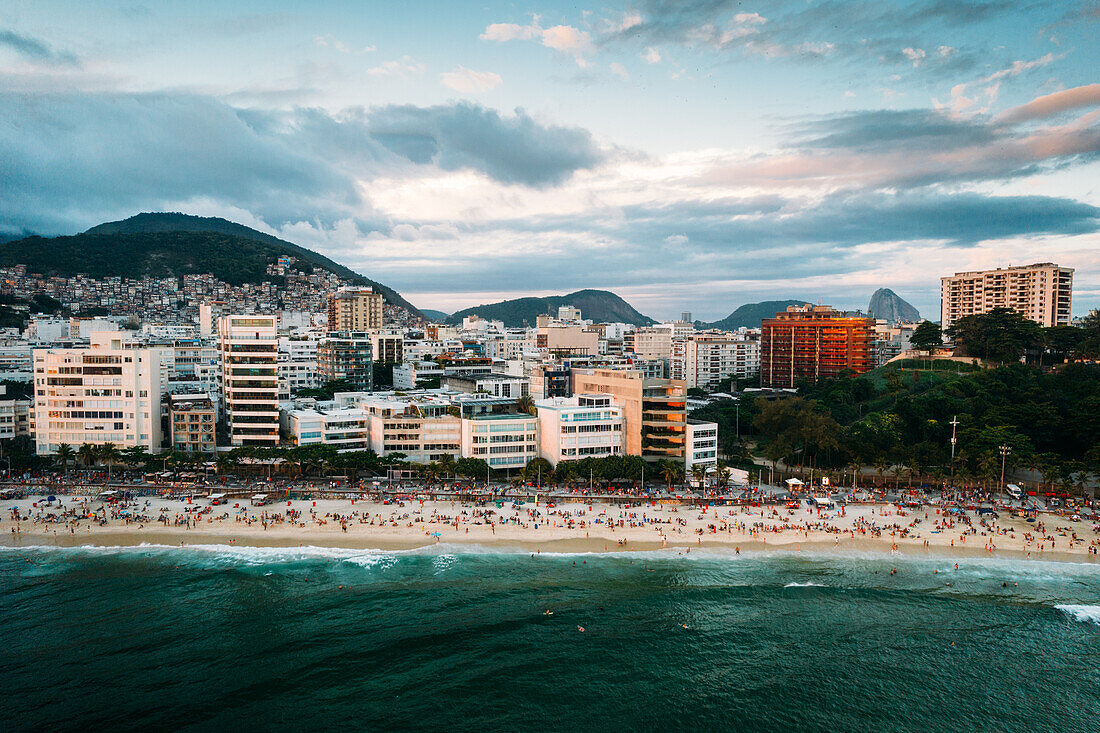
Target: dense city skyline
x=687, y=159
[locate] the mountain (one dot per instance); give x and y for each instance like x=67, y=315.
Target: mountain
x=597, y=305
x=435, y=316
x=166, y=244
x=888, y=305
x=751, y=314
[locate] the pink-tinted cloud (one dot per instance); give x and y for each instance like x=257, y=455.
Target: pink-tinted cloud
x=1051, y=104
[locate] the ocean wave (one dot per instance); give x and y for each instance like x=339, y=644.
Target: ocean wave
x=804, y=585
x=1084, y=614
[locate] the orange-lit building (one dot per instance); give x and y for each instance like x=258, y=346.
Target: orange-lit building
x=812, y=342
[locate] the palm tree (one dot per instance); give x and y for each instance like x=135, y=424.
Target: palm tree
x=109, y=454
x=671, y=471
x=87, y=454
x=65, y=453
x=699, y=473
x=526, y=403
x=135, y=456
x=446, y=465
x=430, y=472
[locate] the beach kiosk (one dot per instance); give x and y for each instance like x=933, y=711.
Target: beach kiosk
x=260, y=500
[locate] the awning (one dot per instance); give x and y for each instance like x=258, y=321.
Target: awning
x=793, y=482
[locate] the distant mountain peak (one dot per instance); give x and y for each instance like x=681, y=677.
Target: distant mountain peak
x=750, y=315
x=889, y=306
x=596, y=305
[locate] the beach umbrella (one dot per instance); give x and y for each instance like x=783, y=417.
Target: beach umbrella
x=51, y=497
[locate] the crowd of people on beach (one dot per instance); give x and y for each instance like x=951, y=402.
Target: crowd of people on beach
x=663, y=522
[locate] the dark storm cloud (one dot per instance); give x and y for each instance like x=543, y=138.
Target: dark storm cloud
x=682, y=243
x=72, y=160
x=514, y=149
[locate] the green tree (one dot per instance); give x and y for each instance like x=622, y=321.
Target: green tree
x=471, y=468
x=65, y=453
x=538, y=468
x=135, y=456
x=110, y=455
x=526, y=403
x=87, y=454
x=671, y=471
x=1001, y=335
x=927, y=336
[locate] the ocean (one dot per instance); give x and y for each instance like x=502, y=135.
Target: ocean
x=458, y=638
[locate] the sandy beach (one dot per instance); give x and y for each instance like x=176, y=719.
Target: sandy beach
x=564, y=527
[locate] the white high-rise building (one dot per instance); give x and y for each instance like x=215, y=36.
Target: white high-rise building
x=1041, y=292
x=250, y=378
x=109, y=392
x=704, y=360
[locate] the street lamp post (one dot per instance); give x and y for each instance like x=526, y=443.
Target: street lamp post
x=1004, y=450
x=954, y=423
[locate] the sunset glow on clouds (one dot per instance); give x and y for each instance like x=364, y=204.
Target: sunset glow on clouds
x=687, y=157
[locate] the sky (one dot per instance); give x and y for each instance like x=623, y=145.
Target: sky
x=687, y=156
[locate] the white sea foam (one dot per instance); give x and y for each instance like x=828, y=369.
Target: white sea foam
x=804, y=585
x=1084, y=614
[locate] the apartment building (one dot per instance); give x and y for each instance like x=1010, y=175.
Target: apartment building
x=704, y=360
x=423, y=427
x=295, y=376
x=583, y=426
x=568, y=340
x=654, y=410
x=347, y=356
x=109, y=392
x=702, y=445
x=250, y=378
x=813, y=342
x=344, y=427
x=1041, y=292
x=354, y=309
x=387, y=346
x=497, y=385
x=504, y=441
x=191, y=423
x=15, y=417
x=653, y=342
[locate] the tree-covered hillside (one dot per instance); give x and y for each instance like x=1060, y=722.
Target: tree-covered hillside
x=165, y=244
x=596, y=305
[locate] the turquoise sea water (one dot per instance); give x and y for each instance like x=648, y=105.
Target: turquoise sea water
x=224, y=638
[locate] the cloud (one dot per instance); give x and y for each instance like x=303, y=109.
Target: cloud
x=511, y=32
x=619, y=70
x=1053, y=104
x=35, y=49
x=514, y=149
x=562, y=38
x=795, y=29
x=652, y=56
x=469, y=81
x=72, y=160
x=1019, y=67
x=916, y=55
x=402, y=67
